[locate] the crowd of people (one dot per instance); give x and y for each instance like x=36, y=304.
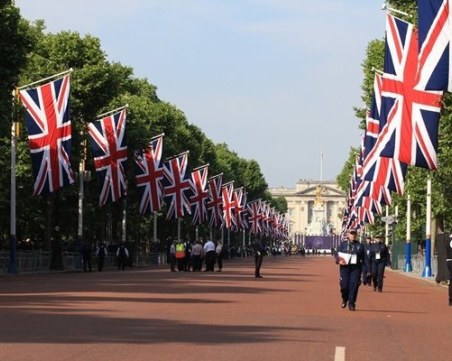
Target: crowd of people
x=360, y=263
x=186, y=256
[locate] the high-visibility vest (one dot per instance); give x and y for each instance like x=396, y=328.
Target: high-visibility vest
x=180, y=250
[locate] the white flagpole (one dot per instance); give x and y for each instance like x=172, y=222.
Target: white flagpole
x=154, y=236
x=12, y=268
x=387, y=227
x=408, y=267
x=428, y=245
x=81, y=194
x=113, y=111
x=48, y=78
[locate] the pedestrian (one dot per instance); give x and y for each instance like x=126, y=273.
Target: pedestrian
x=101, y=253
x=379, y=259
x=180, y=255
x=196, y=255
x=449, y=267
x=86, y=257
x=122, y=254
x=259, y=252
x=219, y=254
x=367, y=269
x=172, y=255
x=350, y=257
x=209, y=252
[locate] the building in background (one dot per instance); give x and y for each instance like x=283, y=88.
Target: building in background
x=314, y=208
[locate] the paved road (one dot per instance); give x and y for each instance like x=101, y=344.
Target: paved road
x=293, y=313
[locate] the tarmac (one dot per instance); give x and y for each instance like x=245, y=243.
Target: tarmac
x=293, y=313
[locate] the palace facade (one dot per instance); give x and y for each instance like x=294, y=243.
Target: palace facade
x=314, y=207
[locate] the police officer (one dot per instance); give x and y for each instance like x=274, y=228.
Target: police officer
x=366, y=274
x=259, y=252
x=380, y=258
x=449, y=267
x=350, y=257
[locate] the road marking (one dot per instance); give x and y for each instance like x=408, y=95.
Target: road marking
x=340, y=354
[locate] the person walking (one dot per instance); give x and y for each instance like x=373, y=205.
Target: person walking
x=196, y=255
x=367, y=269
x=101, y=253
x=449, y=267
x=180, y=255
x=86, y=257
x=380, y=258
x=209, y=252
x=122, y=255
x=219, y=254
x=259, y=251
x=172, y=255
x=350, y=257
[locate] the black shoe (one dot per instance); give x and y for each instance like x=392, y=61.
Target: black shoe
x=375, y=289
x=351, y=307
x=344, y=304
x=380, y=290
x=450, y=302
x=259, y=276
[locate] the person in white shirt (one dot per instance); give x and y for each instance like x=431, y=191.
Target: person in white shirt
x=209, y=251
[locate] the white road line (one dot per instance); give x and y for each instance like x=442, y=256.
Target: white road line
x=339, y=354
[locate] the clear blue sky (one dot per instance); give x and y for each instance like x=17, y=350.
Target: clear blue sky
x=276, y=80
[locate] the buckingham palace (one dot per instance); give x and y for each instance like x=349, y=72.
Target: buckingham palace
x=314, y=207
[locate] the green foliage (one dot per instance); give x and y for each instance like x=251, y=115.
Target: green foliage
x=416, y=180
x=98, y=85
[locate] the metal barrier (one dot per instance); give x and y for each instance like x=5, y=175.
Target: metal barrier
x=418, y=263
x=39, y=261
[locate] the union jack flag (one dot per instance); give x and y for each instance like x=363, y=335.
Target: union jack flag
x=412, y=134
x=435, y=33
x=239, y=208
x=200, y=195
x=215, y=202
x=177, y=186
x=108, y=145
x=49, y=134
x=384, y=173
x=149, y=176
x=255, y=217
x=226, y=193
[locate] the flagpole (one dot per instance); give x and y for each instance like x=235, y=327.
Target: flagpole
x=124, y=220
x=408, y=267
x=113, y=111
x=81, y=194
x=385, y=6
x=428, y=245
x=387, y=227
x=12, y=267
x=70, y=70
x=154, y=230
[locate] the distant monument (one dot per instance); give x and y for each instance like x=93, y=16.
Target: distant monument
x=318, y=225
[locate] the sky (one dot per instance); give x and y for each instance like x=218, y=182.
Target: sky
x=276, y=80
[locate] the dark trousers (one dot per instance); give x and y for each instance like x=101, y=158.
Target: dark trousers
x=220, y=261
x=86, y=263
x=258, y=263
x=378, y=272
x=349, y=282
x=367, y=274
x=172, y=260
x=210, y=261
x=100, y=263
x=197, y=263
x=181, y=264
x=121, y=263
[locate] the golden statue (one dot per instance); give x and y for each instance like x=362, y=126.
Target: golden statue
x=318, y=199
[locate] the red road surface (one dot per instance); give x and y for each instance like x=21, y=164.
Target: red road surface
x=293, y=313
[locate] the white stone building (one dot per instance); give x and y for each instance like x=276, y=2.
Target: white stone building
x=314, y=207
